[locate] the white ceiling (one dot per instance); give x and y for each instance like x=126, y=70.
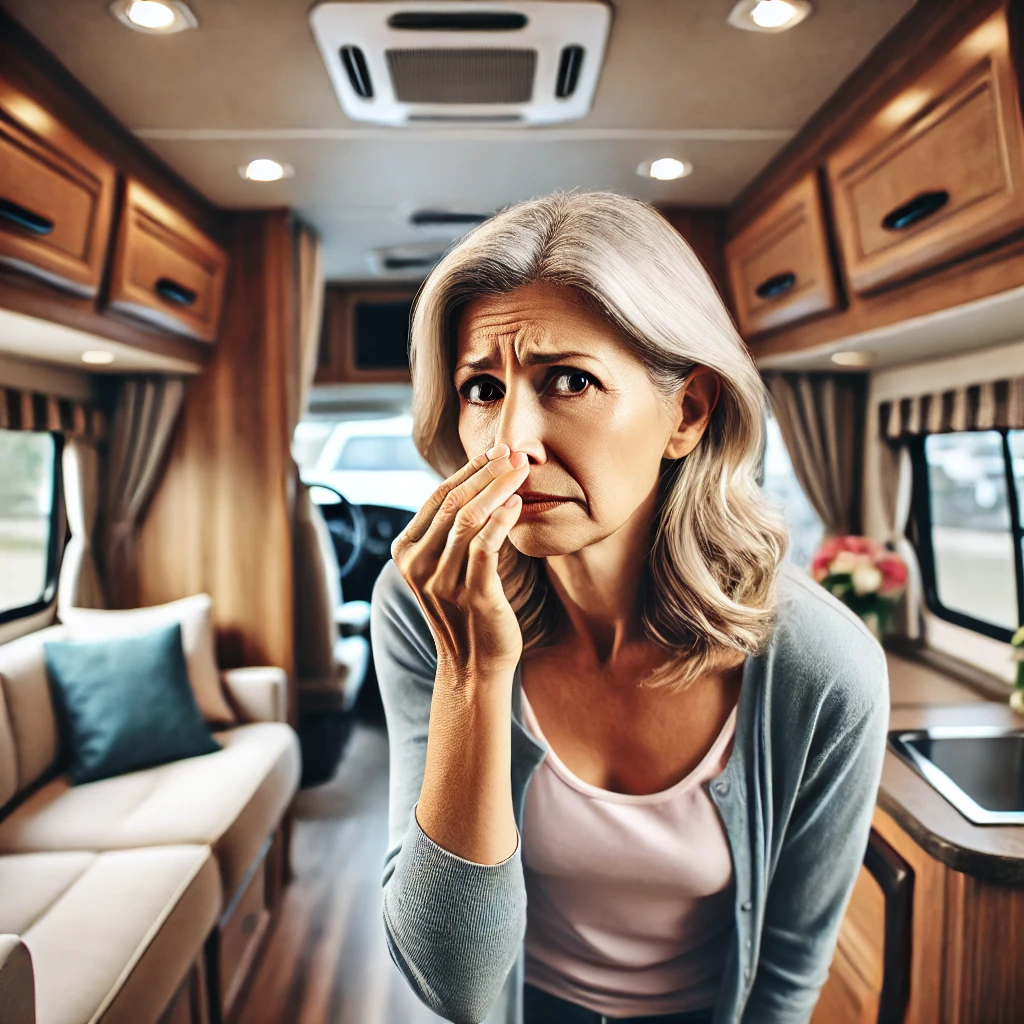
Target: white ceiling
x=677, y=81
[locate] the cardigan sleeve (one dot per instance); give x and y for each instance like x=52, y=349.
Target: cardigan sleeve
x=823, y=846
x=454, y=927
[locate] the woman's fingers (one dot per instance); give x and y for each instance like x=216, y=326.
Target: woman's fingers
x=482, y=576
x=468, y=522
x=422, y=558
x=417, y=526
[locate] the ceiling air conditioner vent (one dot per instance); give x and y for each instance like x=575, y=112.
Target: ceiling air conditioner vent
x=457, y=21
x=569, y=71
x=451, y=62
x=430, y=218
x=358, y=74
x=462, y=76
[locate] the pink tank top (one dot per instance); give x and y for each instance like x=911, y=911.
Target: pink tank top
x=629, y=898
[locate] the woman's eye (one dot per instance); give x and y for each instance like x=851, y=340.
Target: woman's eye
x=481, y=390
x=563, y=383
x=570, y=382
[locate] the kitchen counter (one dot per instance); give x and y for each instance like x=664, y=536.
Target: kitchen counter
x=921, y=696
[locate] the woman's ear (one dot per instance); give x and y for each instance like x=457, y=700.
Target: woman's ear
x=695, y=402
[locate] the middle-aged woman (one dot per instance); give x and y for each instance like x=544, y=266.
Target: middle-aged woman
x=634, y=756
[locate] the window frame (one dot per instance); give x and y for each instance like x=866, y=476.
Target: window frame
x=921, y=518
x=58, y=539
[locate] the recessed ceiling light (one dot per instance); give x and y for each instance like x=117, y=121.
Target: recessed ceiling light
x=665, y=168
x=98, y=358
x=769, y=15
x=161, y=17
x=853, y=358
x=265, y=170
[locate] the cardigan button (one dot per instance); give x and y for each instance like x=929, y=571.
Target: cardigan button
x=746, y=906
x=722, y=787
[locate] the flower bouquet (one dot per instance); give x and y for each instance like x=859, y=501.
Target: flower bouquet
x=865, y=575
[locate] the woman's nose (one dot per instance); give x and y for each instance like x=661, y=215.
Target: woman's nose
x=521, y=423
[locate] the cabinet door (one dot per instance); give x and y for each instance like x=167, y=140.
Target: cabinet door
x=56, y=198
x=166, y=271
x=938, y=172
x=779, y=266
x=869, y=979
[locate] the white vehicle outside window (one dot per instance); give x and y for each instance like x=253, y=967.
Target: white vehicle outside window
x=374, y=462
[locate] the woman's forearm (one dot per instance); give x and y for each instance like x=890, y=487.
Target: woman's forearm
x=465, y=803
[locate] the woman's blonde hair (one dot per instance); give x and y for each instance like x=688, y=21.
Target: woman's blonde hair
x=717, y=543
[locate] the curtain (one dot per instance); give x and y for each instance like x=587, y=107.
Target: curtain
x=992, y=405
x=145, y=414
x=28, y=410
x=896, y=490
x=309, y=287
x=821, y=419
x=80, y=585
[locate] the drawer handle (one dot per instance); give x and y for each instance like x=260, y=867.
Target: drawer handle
x=916, y=209
x=24, y=218
x=775, y=286
x=171, y=291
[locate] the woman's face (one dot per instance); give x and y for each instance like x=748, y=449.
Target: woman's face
x=542, y=372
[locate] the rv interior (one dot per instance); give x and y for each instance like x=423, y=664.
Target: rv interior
x=214, y=217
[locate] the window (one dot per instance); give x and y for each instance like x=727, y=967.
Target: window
x=967, y=496
x=780, y=484
x=30, y=544
x=380, y=454
x=369, y=461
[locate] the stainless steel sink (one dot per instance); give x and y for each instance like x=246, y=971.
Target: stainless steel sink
x=979, y=769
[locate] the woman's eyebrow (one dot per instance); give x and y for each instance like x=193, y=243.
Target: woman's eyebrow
x=532, y=359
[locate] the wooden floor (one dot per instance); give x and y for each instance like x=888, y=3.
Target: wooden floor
x=327, y=961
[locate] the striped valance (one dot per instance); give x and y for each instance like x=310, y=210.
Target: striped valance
x=990, y=406
x=29, y=410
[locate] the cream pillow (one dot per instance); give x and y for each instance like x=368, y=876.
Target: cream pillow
x=193, y=613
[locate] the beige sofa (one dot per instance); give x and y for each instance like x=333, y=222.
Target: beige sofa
x=144, y=897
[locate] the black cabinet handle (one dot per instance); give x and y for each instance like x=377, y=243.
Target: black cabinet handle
x=915, y=210
x=24, y=218
x=178, y=294
x=776, y=285
x=896, y=881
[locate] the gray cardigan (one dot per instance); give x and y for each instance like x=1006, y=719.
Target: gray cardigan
x=796, y=799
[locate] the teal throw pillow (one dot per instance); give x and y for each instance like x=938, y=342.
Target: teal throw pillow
x=125, y=704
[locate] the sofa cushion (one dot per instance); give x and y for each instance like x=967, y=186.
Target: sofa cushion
x=231, y=800
x=125, y=703
x=194, y=615
x=111, y=935
x=26, y=692
x=8, y=757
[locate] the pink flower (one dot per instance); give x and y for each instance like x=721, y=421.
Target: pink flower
x=894, y=574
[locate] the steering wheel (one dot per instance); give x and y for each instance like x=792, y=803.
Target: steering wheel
x=347, y=524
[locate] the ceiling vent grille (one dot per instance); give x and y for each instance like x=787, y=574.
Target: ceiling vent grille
x=462, y=76
x=456, y=62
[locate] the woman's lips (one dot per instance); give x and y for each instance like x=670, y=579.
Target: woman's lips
x=535, y=504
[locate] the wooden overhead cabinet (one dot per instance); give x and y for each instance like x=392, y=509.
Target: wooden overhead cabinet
x=165, y=270
x=939, y=171
x=56, y=197
x=779, y=266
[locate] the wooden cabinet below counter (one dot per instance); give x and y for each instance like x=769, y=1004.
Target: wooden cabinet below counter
x=779, y=266
x=165, y=270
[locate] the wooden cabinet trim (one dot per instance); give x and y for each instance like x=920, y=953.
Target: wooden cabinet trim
x=896, y=880
x=156, y=243
x=789, y=238
x=336, y=361
x=50, y=173
x=969, y=92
